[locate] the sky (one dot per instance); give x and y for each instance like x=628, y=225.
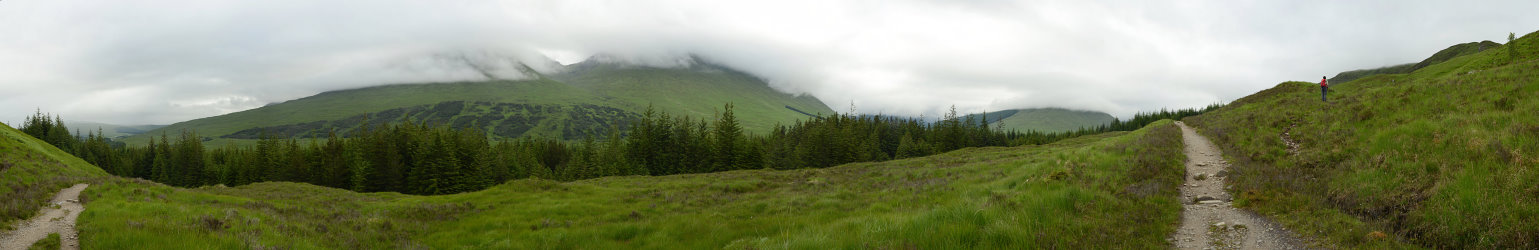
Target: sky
x=163, y=61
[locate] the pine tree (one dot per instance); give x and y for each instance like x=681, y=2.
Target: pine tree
x=188, y=160
x=295, y=164
x=729, y=141
x=475, y=165
x=59, y=135
x=335, y=165
x=641, y=144
x=265, y=160
x=161, y=171
x=37, y=125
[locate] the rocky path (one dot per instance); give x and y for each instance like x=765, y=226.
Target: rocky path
x=1208, y=220
x=58, y=217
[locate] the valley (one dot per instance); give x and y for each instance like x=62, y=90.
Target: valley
x=681, y=125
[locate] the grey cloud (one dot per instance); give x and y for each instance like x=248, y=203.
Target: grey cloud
x=163, y=61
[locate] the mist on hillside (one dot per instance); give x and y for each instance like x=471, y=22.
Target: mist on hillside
x=131, y=63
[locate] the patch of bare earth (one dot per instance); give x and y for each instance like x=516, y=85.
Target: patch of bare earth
x=1208, y=218
x=58, y=217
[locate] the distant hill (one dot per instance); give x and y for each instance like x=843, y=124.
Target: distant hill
x=110, y=130
x=587, y=98
x=1444, y=55
x=1044, y=119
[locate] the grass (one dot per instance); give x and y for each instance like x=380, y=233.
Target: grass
x=698, y=92
x=32, y=171
x=47, y=243
x=1113, y=190
x=1443, y=157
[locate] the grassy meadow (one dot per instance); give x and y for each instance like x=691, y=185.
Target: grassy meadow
x=1114, y=190
x=1442, y=157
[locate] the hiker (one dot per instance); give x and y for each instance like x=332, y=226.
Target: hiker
x=1323, y=87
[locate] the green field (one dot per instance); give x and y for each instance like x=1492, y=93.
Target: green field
x=1109, y=190
x=1443, y=157
x=562, y=100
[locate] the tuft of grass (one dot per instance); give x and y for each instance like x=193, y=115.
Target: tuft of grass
x=47, y=243
x=1442, y=157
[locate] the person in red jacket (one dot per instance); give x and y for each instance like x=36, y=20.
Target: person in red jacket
x=1323, y=87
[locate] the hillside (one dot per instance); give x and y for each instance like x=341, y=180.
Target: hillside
x=1048, y=120
x=1078, y=193
x=696, y=91
x=1444, y=156
x=31, y=171
x=588, y=99
x=1444, y=55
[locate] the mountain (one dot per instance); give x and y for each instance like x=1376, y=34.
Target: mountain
x=579, y=100
x=1444, y=156
x=1444, y=55
x=1044, y=119
x=698, y=90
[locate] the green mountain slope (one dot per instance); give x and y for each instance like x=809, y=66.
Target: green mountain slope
x=1444, y=55
x=1044, y=119
x=696, y=91
x=1112, y=190
x=31, y=171
x=1445, y=156
x=589, y=99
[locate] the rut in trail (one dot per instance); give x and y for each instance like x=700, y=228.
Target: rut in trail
x=58, y=217
x=1208, y=220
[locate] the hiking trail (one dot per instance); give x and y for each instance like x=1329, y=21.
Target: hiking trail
x=1208, y=219
x=58, y=217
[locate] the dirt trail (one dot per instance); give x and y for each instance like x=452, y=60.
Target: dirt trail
x=1208, y=220
x=59, y=217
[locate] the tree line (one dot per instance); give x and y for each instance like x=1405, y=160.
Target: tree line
x=420, y=158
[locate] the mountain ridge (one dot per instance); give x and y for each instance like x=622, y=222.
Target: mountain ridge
x=1443, y=55
x=595, y=96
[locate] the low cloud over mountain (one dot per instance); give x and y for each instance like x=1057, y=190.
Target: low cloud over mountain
x=163, y=61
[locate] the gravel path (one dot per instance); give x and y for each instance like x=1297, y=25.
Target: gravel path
x=1208, y=220
x=56, y=218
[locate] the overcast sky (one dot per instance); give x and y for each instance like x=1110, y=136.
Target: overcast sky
x=160, y=62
